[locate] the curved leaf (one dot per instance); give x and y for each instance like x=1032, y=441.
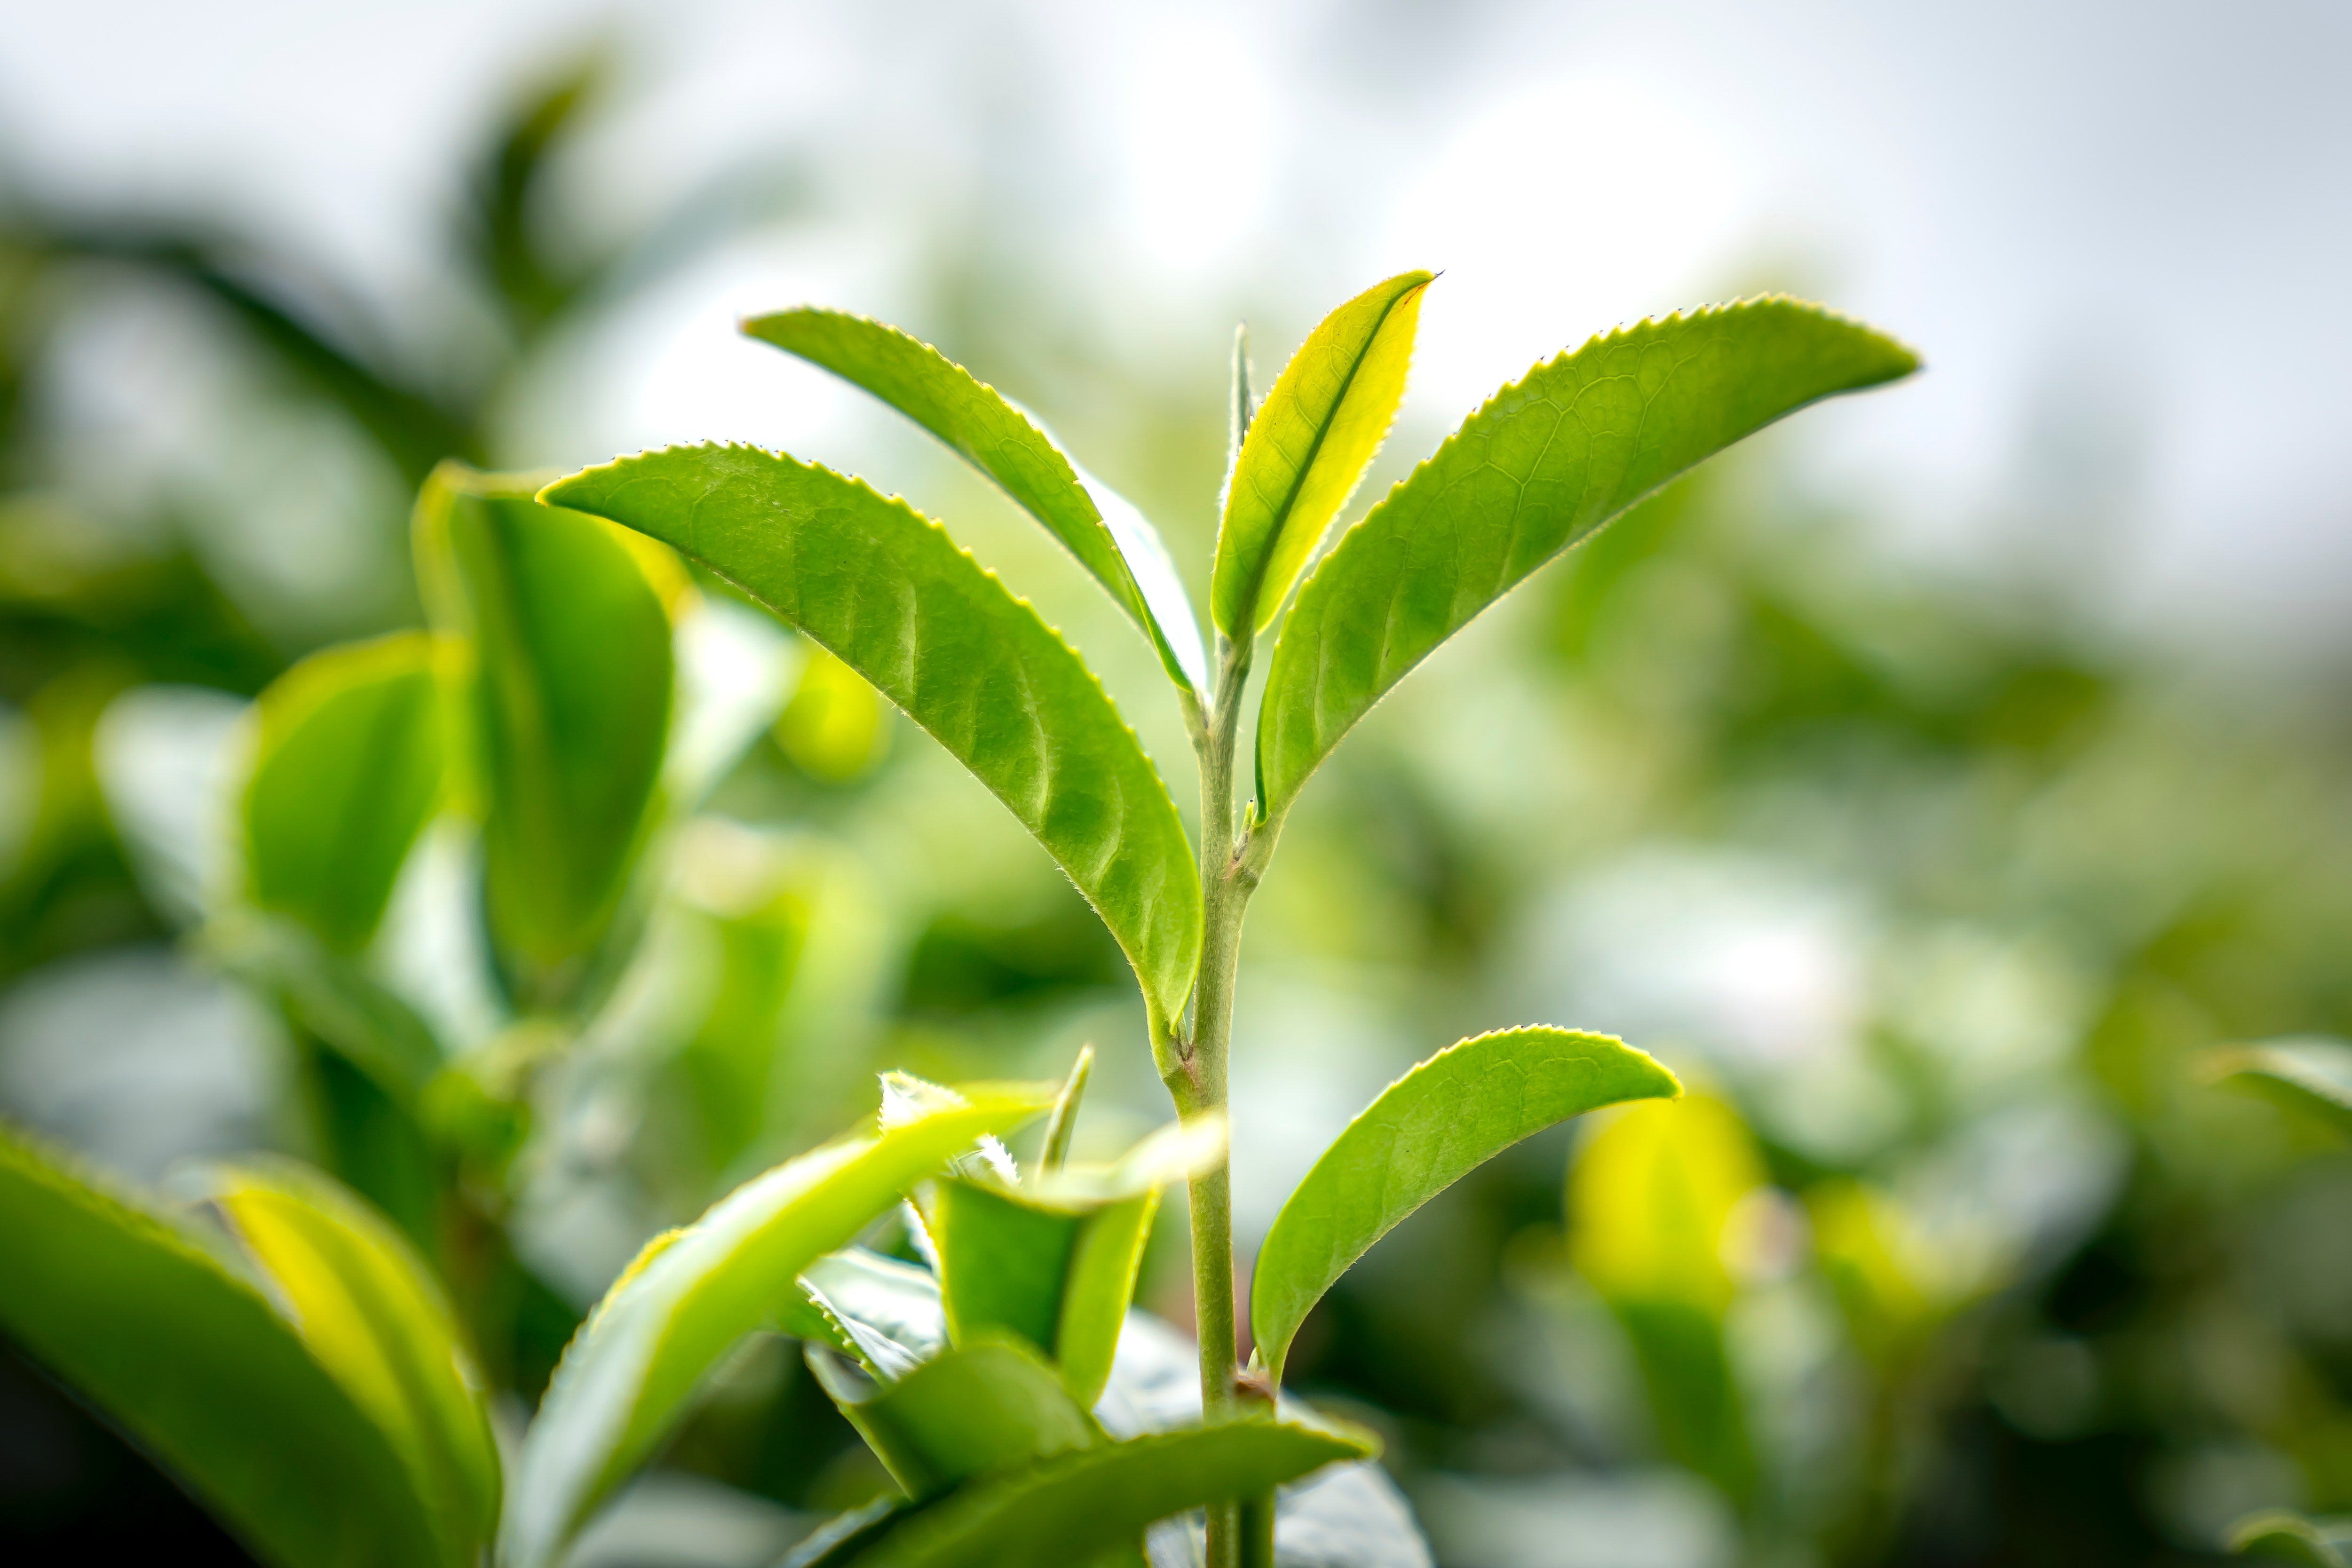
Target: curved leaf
x=201, y=1370
x=1548, y=460
x=570, y=697
x=977, y=1409
x=891, y=594
x=1069, y=1509
x=693, y=1294
x=373, y=1316
x=1425, y=1131
x=2291, y=1538
x=1305, y=449
x=2312, y=1075
x=1109, y=537
x=1096, y=1291
x=346, y=772
x=885, y=1313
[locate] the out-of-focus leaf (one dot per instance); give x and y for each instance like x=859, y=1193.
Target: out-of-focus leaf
x=2291, y=1538
x=572, y=686
x=1425, y=1131
x=836, y=728
x=885, y=1313
x=1077, y=1507
x=977, y=1409
x=1111, y=539
x=534, y=289
x=1856, y=1230
x=1095, y=1291
x=1548, y=460
x=373, y=1318
x=346, y=772
x=2311, y=1076
x=1306, y=447
x=1060, y=1127
x=692, y=1295
x=197, y=1365
x=889, y=594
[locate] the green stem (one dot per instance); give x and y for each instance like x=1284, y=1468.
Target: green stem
x=1195, y=1070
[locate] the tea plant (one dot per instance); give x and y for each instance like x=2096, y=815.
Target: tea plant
x=300, y=1366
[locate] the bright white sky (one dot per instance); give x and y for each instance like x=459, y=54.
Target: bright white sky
x=2113, y=228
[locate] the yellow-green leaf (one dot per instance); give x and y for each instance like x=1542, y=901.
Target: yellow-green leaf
x=1425, y=1131
x=1306, y=447
x=889, y=594
x=347, y=770
x=1548, y=460
x=2311, y=1076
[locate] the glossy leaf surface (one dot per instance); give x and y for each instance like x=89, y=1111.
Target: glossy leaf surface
x=884, y=1313
x=977, y=1409
x=692, y=1296
x=1109, y=537
x=572, y=685
x=1069, y=1509
x=2311, y=1076
x=374, y=1317
x=197, y=1365
x=1425, y=1131
x=891, y=594
x=346, y=772
x=1306, y=447
x=1548, y=460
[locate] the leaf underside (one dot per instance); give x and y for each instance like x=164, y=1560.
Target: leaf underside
x=892, y=597
x=626, y=1378
x=1426, y=1131
x=1111, y=540
x=197, y=1365
x=1306, y=447
x=1547, y=460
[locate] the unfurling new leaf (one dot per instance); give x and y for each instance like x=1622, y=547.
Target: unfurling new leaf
x=893, y=597
x=1425, y=1131
x=1548, y=460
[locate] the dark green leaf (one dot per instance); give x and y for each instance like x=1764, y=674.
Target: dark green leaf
x=891, y=594
x=1548, y=460
x=980, y=1408
x=2291, y=1538
x=571, y=694
x=1074, y=1508
x=373, y=1316
x=694, y=1294
x=346, y=772
x=1306, y=447
x=195, y=1364
x=1431, y=1127
x=1111, y=539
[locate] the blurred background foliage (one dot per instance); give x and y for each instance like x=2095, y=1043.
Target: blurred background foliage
x=1932, y=883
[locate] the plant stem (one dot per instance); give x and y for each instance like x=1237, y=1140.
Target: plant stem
x=1197, y=1077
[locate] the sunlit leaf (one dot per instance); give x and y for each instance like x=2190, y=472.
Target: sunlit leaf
x=980, y=1408
x=1074, y=1508
x=1110, y=538
x=572, y=685
x=198, y=1365
x=884, y=1313
x=1306, y=447
x=1425, y=1131
x=2291, y=1538
x=836, y=728
x=2310, y=1076
x=889, y=594
x=1548, y=460
x=373, y=1316
x=693, y=1295
x=346, y=772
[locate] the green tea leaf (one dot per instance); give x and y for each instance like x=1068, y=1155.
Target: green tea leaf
x=1002, y=1261
x=1074, y=1507
x=2311, y=1076
x=374, y=1317
x=693, y=1295
x=346, y=772
x=1110, y=538
x=1060, y=1127
x=2291, y=1538
x=891, y=594
x=1425, y=1131
x=570, y=699
x=1548, y=460
x=885, y=1313
x=1096, y=1291
x=193, y=1362
x=977, y=1409
x=1306, y=447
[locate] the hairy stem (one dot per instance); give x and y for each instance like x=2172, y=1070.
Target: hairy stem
x=1197, y=1077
